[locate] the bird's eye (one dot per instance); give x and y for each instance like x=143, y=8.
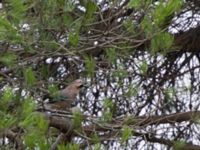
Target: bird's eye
x=80, y=86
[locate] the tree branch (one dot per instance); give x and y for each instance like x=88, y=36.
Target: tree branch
x=12, y=136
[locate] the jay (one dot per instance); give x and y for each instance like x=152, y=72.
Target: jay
x=64, y=98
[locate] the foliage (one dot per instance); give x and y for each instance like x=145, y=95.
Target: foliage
x=30, y=77
x=97, y=147
x=53, y=90
x=69, y=146
x=95, y=138
x=144, y=68
x=106, y=43
x=9, y=59
x=77, y=119
x=111, y=54
x=90, y=66
x=90, y=9
x=109, y=110
x=126, y=133
x=132, y=91
x=73, y=39
x=179, y=145
x=162, y=41
x=34, y=123
x=7, y=119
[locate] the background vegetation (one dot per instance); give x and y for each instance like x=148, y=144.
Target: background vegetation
x=140, y=58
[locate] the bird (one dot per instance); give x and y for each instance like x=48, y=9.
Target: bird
x=65, y=98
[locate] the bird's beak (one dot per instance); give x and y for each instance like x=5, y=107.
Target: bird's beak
x=84, y=86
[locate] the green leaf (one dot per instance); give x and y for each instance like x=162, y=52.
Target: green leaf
x=43, y=143
x=7, y=98
x=36, y=127
x=53, y=90
x=111, y=55
x=97, y=146
x=126, y=133
x=134, y=4
x=17, y=10
x=8, y=59
x=73, y=146
x=120, y=73
x=108, y=103
x=30, y=139
x=90, y=65
x=35, y=124
x=42, y=123
x=168, y=97
x=165, y=10
x=9, y=32
x=36, y=121
x=69, y=6
x=44, y=71
x=129, y=121
x=109, y=110
x=34, y=139
x=107, y=116
x=30, y=77
x=14, y=37
x=169, y=93
x=62, y=147
x=50, y=44
x=5, y=26
x=6, y=120
x=143, y=68
x=77, y=119
x=132, y=91
x=147, y=26
x=129, y=26
x=27, y=121
x=28, y=106
x=95, y=138
x=162, y=41
x=76, y=25
x=73, y=39
x=90, y=9
x=68, y=20
x=179, y=145
x=139, y=4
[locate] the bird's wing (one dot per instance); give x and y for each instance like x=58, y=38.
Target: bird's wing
x=61, y=96
x=58, y=98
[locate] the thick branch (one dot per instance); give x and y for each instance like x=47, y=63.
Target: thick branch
x=171, y=143
x=172, y=118
x=58, y=141
x=65, y=125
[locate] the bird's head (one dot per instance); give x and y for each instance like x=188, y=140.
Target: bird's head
x=78, y=83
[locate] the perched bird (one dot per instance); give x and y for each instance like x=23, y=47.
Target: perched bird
x=64, y=98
